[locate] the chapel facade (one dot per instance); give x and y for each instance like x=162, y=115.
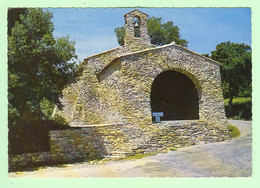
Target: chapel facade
x=126, y=85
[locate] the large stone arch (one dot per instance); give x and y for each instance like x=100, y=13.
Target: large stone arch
x=178, y=66
x=140, y=70
x=176, y=95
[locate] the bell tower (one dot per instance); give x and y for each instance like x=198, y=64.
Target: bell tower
x=136, y=33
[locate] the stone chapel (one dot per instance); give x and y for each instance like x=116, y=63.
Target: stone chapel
x=121, y=90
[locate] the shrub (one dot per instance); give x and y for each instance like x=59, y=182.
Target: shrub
x=234, y=131
x=241, y=108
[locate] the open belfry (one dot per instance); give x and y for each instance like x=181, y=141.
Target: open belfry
x=139, y=98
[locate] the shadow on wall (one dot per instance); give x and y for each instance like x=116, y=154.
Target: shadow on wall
x=48, y=143
x=24, y=137
x=77, y=144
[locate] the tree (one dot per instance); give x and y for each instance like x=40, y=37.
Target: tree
x=14, y=16
x=236, y=70
x=38, y=68
x=160, y=33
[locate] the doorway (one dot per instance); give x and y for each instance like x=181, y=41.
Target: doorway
x=174, y=94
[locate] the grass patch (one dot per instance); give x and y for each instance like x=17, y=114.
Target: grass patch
x=234, y=131
x=172, y=149
x=238, y=100
x=142, y=155
x=139, y=156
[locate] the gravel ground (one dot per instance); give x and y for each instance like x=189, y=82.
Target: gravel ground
x=231, y=158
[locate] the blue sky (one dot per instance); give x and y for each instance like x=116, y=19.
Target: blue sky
x=204, y=28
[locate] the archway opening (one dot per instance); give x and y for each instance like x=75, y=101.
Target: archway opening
x=174, y=94
x=137, y=31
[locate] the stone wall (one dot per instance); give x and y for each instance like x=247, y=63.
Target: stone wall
x=130, y=77
x=139, y=71
x=106, y=141
x=96, y=63
x=132, y=42
x=185, y=133
x=88, y=142
x=17, y=162
x=112, y=141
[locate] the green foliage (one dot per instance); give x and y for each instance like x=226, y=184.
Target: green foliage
x=159, y=32
x=164, y=33
x=14, y=16
x=38, y=68
x=239, y=100
x=234, y=131
x=241, y=110
x=206, y=55
x=60, y=120
x=139, y=156
x=47, y=108
x=236, y=70
x=172, y=149
x=120, y=34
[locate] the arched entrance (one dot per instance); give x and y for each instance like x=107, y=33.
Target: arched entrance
x=174, y=94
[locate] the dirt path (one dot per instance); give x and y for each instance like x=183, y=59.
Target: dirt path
x=225, y=159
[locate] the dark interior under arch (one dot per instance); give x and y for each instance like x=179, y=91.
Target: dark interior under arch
x=174, y=94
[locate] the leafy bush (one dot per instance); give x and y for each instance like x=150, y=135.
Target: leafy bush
x=47, y=108
x=240, y=111
x=241, y=108
x=234, y=131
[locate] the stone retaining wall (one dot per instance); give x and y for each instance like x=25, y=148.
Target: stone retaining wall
x=17, y=162
x=87, y=143
x=96, y=142
x=116, y=140
x=179, y=134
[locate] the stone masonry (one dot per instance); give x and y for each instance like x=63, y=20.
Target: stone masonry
x=115, y=89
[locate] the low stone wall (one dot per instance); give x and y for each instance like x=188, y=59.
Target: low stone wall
x=17, y=162
x=87, y=143
x=179, y=134
x=95, y=142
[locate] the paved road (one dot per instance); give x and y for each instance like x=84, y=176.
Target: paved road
x=225, y=159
